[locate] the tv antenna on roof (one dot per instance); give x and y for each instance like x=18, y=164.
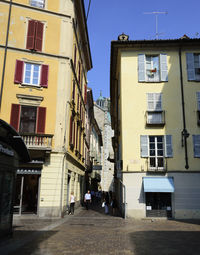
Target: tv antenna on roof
x=156, y=14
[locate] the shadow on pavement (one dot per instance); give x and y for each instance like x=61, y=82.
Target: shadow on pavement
x=24, y=242
x=165, y=242
x=189, y=221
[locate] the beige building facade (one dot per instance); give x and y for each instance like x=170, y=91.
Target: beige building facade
x=46, y=55
x=155, y=116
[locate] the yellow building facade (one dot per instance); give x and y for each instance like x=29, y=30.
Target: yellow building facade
x=45, y=52
x=155, y=115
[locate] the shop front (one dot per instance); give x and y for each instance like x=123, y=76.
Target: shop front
x=158, y=196
x=12, y=151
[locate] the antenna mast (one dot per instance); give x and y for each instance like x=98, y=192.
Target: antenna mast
x=156, y=14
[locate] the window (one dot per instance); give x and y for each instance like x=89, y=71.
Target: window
x=28, y=119
x=156, y=149
x=31, y=74
x=37, y=3
x=155, y=114
x=152, y=68
x=193, y=66
x=198, y=108
x=34, y=35
x=196, y=145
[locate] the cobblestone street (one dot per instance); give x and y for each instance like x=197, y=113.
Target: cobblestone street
x=92, y=232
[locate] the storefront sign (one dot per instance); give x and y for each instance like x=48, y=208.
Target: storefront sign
x=6, y=151
x=149, y=208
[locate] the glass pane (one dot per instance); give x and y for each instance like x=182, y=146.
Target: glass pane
x=159, y=139
x=152, y=139
x=160, y=146
x=152, y=145
x=152, y=152
x=28, y=119
x=160, y=152
x=160, y=162
x=152, y=162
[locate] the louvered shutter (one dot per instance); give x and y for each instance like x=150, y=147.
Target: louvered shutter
x=19, y=68
x=144, y=146
x=196, y=145
x=163, y=67
x=85, y=95
x=141, y=67
x=190, y=66
x=44, y=76
x=15, y=116
x=30, y=43
x=41, y=120
x=198, y=101
x=168, y=146
x=39, y=36
x=71, y=130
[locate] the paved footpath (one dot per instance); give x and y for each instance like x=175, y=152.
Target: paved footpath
x=93, y=233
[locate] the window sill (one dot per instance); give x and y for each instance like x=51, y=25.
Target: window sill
x=24, y=85
x=155, y=124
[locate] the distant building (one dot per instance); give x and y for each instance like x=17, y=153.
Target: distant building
x=102, y=115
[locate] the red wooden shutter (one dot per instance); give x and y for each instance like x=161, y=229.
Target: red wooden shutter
x=19, y=68
x=41, y=119
x=79, y=72
x=79, y=141
x=15, y=116
x=30, y=43
x=73, y=92
x=76, y=135
x=71, y=130
x=44, y=76
x=39, y=36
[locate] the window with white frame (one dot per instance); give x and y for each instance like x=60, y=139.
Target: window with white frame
x=37, y=3
x=31, y=74
x=193, y=66
x=152, y=68
x=154, y=108
x=156, y=149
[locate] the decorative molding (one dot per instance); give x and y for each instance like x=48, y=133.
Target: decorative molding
x=29, y=100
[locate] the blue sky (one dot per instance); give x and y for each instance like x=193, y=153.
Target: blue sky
x=109, y=18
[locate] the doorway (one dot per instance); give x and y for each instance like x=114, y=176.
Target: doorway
x=26, y=194
x=158, y=204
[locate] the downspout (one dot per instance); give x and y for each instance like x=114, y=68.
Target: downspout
x=5, y=53
x=124, y=198
x=184, y=132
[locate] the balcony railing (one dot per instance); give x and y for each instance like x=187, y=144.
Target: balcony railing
x=38, y=141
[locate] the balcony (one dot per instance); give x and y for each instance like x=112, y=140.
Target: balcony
x=157, y=164
x=155, y=118
x=38, y=141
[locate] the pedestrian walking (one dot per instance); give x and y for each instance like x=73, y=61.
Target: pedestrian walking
x=106, y=203
x=114, y=205
x=72, y=203
x=87, y=199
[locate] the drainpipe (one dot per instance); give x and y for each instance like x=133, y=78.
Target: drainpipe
x=184, y=132
x=124, y=198
x=5, y=53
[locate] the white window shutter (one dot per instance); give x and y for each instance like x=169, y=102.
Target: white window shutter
x=168, y=146
x=190, y=66
x=196, y=145
x=141, y=67
x=163, y=67
x=198, y=100
x=144, y=146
